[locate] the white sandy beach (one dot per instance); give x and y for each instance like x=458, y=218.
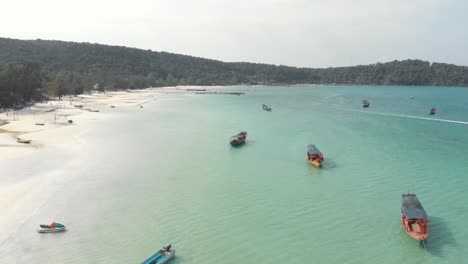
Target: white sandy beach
x=47, y=126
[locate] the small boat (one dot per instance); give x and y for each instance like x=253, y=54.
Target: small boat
x=141, y=106
x=238, y=139
x=314, y=156
x=433, y=111
x=414, y=217
x=79, y=106
x=365, y=103
x=161, y=256
x=70, y=121
x=52, y=228
x=112, y=106
x=24, y=141
x=39, y=124
x=92, y=110
x=266, y=107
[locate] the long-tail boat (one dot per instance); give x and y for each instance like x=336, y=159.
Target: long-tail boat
x=161, y=256
x=414, y=217
x=314, y=156
x=238, y=139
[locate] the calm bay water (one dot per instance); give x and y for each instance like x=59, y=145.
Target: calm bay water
x=166, y=173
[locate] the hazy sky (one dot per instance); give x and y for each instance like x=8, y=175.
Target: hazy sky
x=311, y=33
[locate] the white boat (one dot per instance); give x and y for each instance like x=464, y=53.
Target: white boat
x=52, y=228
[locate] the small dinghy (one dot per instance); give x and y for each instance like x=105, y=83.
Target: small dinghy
x=162, y=256
x=52, y=228
x=23, y=141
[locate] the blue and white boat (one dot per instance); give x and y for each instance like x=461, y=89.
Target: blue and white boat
x=162, y=256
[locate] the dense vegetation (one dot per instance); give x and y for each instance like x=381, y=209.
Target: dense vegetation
x=72, y=68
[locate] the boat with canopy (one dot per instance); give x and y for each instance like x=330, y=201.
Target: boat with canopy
x=314, y=156
x=413, y=217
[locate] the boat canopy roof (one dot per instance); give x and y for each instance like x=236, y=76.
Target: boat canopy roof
x=411, y=207
x=312, y=149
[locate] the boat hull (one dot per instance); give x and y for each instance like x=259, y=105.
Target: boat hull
x=365, y=106
x=160, y=257
x=315, y=163
x=237, y=143
x=418, y=229
x=51, y=230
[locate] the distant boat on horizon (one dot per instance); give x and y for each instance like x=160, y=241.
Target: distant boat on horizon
x=413, y=217
x=365, y=103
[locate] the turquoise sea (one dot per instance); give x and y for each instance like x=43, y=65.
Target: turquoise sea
x=166, y=173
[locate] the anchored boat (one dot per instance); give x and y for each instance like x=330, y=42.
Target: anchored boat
x=238, y=139
x=266, y=107
x=433, y=111
x=365, y=103
x=314, y=155
x=24, y=141
x=52, y=228
x=161, y=256
x=414, y=217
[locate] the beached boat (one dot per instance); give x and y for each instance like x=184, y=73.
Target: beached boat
x=365, y=103
x=314, y=156
x=414, y=217
x=23, y=141
x=433, y=111
x=238, y=139
x=78, y=106
x=93, y=110
x=112, y=106
x=39, y=124
x=266, y=107
x=52, y=228
x=161, y=256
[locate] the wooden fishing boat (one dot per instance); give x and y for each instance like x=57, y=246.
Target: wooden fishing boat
x=314, y=156
x=433, y=111
x=23, y=141
x=52, y=228
x=161, y=256
x=238, y=139
x=413, y=217
x=365, y=103
x=266, y=107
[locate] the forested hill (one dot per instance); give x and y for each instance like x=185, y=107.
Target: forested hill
x=114, y=67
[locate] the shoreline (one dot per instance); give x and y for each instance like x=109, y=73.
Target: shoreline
x=47, y=124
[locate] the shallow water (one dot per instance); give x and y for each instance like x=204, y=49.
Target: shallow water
x=166, y=173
